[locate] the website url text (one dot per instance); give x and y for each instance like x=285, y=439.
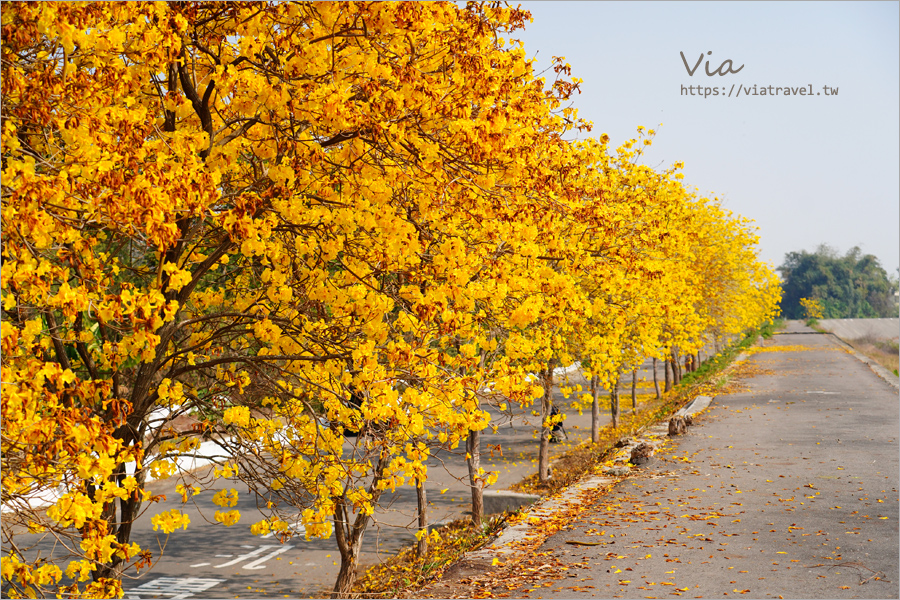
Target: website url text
x=738, y=89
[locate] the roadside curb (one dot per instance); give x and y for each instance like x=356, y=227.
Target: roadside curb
x=699, y=403
x=525, y=530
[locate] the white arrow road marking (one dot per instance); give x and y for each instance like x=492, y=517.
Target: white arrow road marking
x=243, y=557
x=258, y=563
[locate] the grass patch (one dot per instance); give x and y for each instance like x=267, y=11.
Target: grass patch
x=404, y=572
x=771, y=327
x=715, y=364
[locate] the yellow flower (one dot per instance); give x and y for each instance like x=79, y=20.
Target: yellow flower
x=170, y=521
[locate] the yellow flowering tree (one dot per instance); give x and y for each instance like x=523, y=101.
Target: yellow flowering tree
x=323, y=235
x=274, y=218
x=812, y=308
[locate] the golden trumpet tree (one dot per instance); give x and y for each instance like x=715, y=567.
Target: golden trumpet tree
x=326, y=232
x=668, y=270
x=289, y=220
x=628, y=251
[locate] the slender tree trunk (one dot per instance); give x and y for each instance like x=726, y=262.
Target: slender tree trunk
x=676, y=368
x=349, y=554
x=546, y=407
x=349, y=536
x=595, y=409
x=633, y=391
x=655, y=380
x=473, y=448
x=614, y=404
x=422, y=499
x=697, y=362
x=669, y=375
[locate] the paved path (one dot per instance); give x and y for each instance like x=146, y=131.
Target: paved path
x=789, y=488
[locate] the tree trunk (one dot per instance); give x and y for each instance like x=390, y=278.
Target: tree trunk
x=349, y=540
x=655, y=380
x=473, y=449
x=595, y=409
x=422, y=546
x=349, y=536
x=346, y=574
x=546, y=407
x=121, y=526
x=676, y=368
x=633, y=391
x=614, y=404
x=697, y=362
x=669, y=375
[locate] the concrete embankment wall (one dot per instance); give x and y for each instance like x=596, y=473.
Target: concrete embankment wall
x=851, y=329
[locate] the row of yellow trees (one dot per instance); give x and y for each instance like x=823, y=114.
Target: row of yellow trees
x=299, y=221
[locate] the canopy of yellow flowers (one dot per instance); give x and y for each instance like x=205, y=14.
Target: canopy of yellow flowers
x=293, y=220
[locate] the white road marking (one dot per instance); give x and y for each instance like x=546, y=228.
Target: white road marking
x=243, y=557
x=174, y=588
x=258, y=563
x=199, y=565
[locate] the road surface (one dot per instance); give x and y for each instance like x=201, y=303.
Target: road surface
x=787, y=489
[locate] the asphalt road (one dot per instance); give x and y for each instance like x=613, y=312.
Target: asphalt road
x=788, y=489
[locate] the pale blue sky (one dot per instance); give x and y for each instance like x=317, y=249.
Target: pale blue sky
x=809, y=169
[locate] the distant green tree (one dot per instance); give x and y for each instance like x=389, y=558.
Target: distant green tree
x=847, y=287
